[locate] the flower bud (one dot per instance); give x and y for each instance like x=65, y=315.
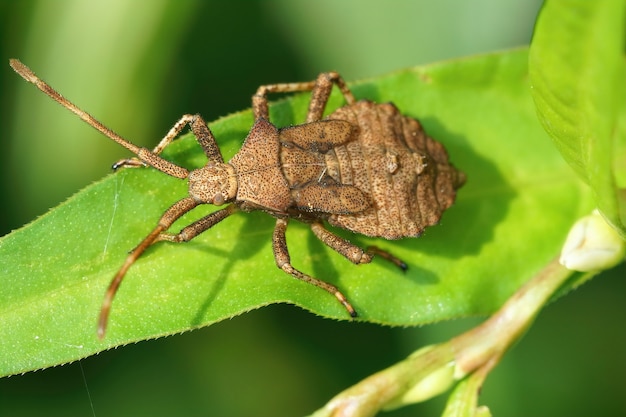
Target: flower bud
x=592, y=245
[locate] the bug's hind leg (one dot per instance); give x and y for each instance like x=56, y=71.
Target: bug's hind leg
x=283, y=261
x=320, y=92
x=350, y=251
x=375, y=250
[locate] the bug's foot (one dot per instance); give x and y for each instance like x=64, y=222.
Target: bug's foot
x=128, y=163
x=168, y=237
x=374, y=250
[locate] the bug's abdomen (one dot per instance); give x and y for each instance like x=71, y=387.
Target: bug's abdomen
x=405, y=173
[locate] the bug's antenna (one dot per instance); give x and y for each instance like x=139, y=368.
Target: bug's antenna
x=30, y=76
x=144, y=154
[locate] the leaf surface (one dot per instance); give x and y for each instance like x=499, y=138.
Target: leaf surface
x=509, y=220
x=577, y=77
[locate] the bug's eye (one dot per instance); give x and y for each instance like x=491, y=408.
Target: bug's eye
x=218, y=199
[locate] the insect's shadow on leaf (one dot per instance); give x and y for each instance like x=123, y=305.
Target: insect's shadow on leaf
x=325, y=270
x=420, y=275
x=243, y=250
x=480, y=204
x=321, y=267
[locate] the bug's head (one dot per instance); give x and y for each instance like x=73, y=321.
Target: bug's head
x=215, y=183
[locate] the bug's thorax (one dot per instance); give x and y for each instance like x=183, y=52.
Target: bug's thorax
x=215, y=183
x=261, y=183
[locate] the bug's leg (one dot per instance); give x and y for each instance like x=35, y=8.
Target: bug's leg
x=350, y=251
x=259, y=99
x=170, y=216
x=199, y=226
x=374, y=250
x=283, y=261
x=200, y=130
x=320, y=91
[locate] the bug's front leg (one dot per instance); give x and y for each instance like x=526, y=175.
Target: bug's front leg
x=283, y=261
x=200, y=130
x=198, y=227
x=167, y=219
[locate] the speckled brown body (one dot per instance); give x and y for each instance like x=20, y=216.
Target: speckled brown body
x=365, y=168
x=407, y=174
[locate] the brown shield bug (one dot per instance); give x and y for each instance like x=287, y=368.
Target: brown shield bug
x=365, y=168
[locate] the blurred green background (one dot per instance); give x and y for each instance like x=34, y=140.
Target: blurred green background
x=138, y=66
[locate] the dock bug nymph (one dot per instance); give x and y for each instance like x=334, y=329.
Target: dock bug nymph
x=365, y=168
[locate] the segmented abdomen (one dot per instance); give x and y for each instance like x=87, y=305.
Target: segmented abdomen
x=406, y=173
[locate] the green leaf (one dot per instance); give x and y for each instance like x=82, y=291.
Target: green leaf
x=577, y=74
x=510, y=219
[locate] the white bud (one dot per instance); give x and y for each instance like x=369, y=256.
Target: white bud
x=592, y=245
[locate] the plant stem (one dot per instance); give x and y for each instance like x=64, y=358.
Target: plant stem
x=489, y=341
